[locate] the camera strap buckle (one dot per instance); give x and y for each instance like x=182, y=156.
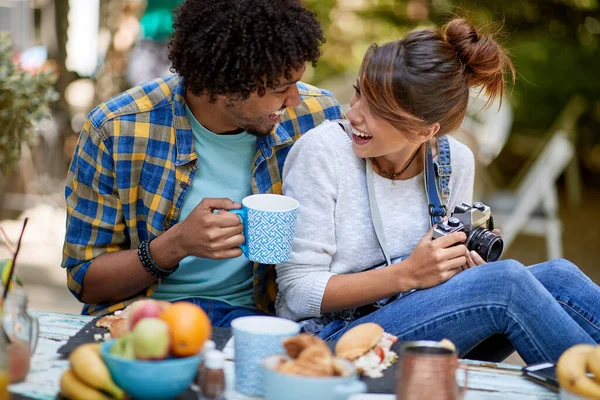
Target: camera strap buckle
x=443, y=170
x=437, y=214
x=437, y=211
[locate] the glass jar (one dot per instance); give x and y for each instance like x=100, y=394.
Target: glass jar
x=22, y=331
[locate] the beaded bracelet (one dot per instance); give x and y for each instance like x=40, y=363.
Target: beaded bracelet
x=148, y=262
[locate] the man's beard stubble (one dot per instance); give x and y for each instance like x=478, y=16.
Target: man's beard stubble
x=254, y=129
x=251, y=127
x=258, y=133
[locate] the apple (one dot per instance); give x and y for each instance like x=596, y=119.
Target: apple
x=148, y=309
x=123, y=347
x=151, y=339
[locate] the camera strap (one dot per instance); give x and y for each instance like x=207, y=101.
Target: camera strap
x=375, y=215
x=437, y=179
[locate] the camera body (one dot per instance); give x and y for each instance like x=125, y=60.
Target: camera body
x=477, y=222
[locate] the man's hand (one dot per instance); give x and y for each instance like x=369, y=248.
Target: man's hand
x=435, y=261
x=208, y=235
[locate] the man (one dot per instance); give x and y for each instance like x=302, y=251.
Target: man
x=154, y=164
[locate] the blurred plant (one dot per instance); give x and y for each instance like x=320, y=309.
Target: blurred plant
x=24, y=100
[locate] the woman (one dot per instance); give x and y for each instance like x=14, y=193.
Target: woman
x=409, y=93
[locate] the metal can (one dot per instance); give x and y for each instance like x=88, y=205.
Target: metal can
x=427, y=370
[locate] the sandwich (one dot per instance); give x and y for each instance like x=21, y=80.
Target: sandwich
x=369, y=348
x=309, y=356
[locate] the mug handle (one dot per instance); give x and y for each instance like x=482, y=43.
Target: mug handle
x=463, y=389
x=342, y=392
x=243, y=214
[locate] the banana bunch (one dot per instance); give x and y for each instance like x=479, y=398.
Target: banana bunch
x=573, y=367
x=88, y=378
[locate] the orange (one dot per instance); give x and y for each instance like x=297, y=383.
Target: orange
x=189, y=326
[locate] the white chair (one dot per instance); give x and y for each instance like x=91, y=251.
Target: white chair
x=532, y=207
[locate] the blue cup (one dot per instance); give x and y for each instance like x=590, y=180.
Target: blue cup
x=279, y=386
x=255, y=338
x=269, y=221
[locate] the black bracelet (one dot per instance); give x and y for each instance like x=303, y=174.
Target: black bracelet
x=148, y=262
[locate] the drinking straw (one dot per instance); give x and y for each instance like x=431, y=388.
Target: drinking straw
x=7, y=241
x=14, y=259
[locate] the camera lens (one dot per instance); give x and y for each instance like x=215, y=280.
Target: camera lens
x=486, y=243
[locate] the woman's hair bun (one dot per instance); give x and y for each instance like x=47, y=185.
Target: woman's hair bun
x=484, y=59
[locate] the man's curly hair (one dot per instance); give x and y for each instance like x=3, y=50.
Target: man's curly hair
x=236, y=47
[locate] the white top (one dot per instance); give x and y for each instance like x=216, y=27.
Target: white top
x=334, y=233
x=214, y=359
x=208, y=346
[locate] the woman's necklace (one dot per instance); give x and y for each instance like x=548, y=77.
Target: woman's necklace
x=393, y=176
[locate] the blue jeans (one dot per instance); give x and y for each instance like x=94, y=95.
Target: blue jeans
x=220, y=313
x=543, y=310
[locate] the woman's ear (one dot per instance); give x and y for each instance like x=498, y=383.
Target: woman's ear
x=433, y=129
x=429, y=132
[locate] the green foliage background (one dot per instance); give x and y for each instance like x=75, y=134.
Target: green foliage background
x=24, y=100
x=553, y=44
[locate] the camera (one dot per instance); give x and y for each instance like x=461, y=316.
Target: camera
x=477, y=222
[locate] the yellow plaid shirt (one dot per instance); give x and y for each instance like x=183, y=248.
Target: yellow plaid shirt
x=134, y=163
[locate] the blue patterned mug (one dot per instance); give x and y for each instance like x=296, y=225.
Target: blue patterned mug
x=269, y=221
x=256, y=338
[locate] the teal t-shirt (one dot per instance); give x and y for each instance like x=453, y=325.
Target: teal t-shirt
x=224, y=170
x=157, y=21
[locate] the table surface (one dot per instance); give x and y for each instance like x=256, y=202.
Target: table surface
x=56, y=328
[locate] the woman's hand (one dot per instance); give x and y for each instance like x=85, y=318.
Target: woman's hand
x=473, y=258
x=435, y=261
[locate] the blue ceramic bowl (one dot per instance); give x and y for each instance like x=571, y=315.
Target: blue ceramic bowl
x=149, y=380
x=280, y=386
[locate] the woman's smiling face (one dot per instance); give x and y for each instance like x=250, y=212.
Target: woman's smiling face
x=372, y=136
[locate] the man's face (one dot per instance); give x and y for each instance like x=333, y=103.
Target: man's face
x=258, y=115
